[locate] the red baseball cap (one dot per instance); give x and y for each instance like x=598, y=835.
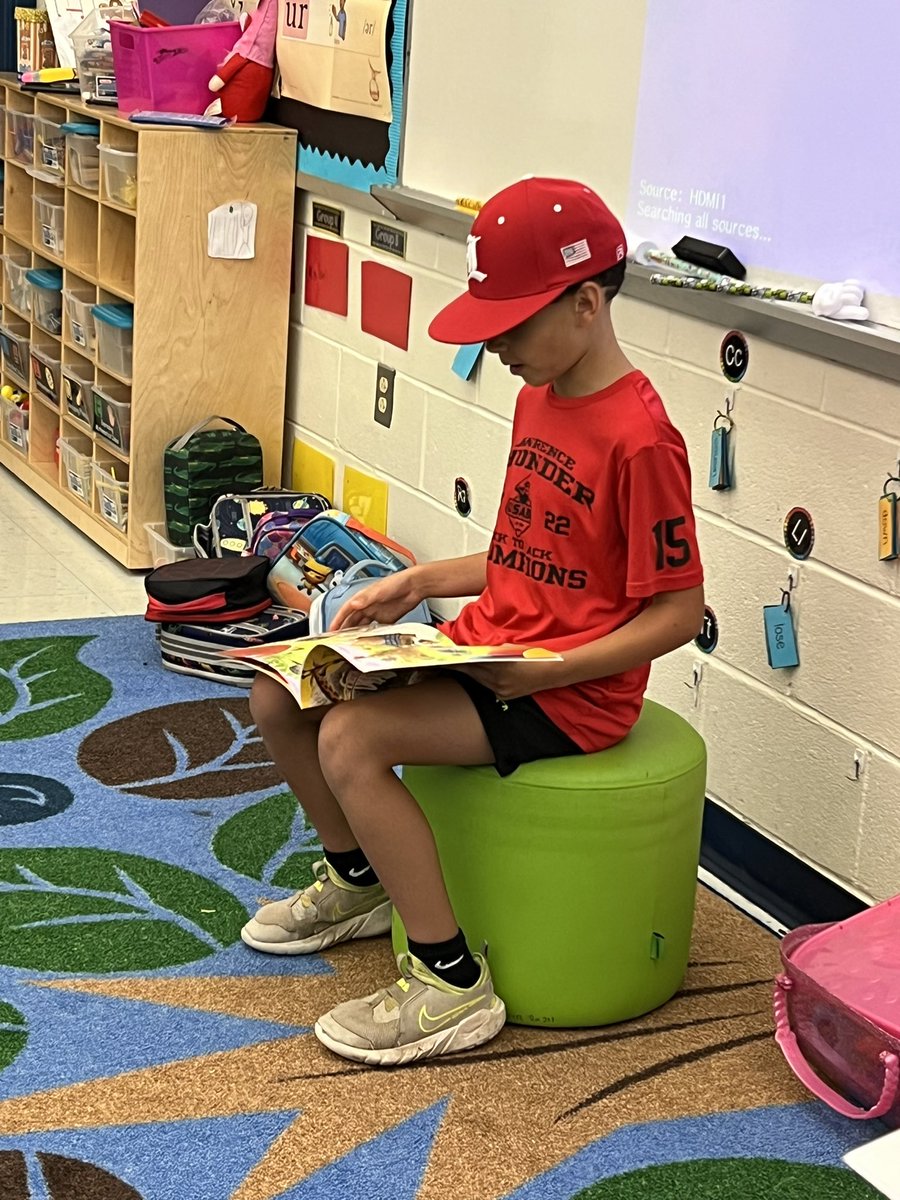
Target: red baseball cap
x=528, y=244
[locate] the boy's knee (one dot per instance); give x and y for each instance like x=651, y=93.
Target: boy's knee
x=270, y=702
x=349, y=742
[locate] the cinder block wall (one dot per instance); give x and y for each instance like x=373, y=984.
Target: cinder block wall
x=809, y=433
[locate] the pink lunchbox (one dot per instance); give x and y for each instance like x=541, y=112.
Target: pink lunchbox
x=837, y=1011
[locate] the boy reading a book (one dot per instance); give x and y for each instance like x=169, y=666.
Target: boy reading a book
x=593, y=555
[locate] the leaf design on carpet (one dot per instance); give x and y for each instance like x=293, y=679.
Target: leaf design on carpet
x=260, y=842
x=25, y=798
x=45, y=689
x=57, y=1177
x=13, y=1036
x=100, y=911
x=196, y=750
x=735, y=1178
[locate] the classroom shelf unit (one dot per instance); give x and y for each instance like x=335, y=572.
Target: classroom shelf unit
x=209, y=334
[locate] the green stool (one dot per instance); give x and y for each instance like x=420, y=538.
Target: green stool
x=579, y=873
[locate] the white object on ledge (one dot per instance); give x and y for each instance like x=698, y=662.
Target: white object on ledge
x=841, y=301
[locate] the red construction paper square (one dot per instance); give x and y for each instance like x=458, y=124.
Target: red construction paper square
x=326, y=275
x=386, y=296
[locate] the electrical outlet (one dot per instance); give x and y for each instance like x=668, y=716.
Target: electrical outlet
x=384, y=395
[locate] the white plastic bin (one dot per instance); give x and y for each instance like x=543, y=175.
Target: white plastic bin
x=162, y=550
x=78, y=467
x=83, y=152
x=20, y=126
x=46, y=298
x=45, y=371
x=118, y=169
x=16, y=348
x=79, y=310
x=111, y=485
x=50, y=216
x=49, y=148
x=115, y=334
x=15, y=424
x=112, y=414
x=18, y=289
x=77, y=382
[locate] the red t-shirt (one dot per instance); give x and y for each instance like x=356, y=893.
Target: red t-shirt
x=595, y=519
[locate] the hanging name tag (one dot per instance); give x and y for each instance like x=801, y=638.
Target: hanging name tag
x=719, y=459
x=781, y=641
x=888, y=540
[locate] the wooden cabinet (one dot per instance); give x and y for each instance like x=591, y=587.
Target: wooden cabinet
x=209, y=334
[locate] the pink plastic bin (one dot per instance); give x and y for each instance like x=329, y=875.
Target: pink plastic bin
x=168, y=70
x=837, y=1011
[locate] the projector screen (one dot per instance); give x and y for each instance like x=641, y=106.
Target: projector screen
x=771, y=128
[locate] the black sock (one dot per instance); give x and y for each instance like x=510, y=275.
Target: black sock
x=450, y=960
x=352, y=866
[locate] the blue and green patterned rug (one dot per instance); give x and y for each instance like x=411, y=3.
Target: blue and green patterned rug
x=146, y=1054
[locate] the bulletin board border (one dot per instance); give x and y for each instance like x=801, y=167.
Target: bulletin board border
x=358, y=175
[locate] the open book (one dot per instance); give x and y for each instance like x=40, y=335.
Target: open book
x=330, y=667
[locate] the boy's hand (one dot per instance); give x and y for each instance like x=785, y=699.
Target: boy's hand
x=384, y=602
x=510, y=680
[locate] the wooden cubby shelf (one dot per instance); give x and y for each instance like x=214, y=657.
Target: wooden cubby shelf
x=210, y=334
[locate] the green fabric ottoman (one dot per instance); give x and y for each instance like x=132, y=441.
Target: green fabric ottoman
x=579, y=873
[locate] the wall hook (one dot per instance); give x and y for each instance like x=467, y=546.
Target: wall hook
x=859, y=766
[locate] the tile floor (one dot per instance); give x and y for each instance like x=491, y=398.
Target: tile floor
x=50, y=571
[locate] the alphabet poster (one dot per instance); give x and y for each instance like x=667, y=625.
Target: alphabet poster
x=341, y=65
x=333, y=54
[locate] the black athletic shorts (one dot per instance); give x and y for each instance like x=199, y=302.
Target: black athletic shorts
x=519, y=731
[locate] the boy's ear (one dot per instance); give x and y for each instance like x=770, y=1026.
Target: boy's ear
x=590, y=299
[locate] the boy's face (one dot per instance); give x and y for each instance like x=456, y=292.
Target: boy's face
x=548, y=345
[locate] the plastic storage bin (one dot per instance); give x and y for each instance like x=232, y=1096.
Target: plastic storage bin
x=49, y=148
x=162, y=550
x=18, y=289
x=118, y=169
x=112, y=415
x=111, y=484
x=15, y=348
x=77, y=382
x=21, y=136
x=168, y=70
x=46, y=298
x=115, y=333
x=15, y=424
x=92, y=44
x=45, y=370
x=83, y=153
x=50, y=215
x=78, y=467
x=80, y=312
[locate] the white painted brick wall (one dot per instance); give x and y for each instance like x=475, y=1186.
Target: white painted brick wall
x=878, y=870
x=781, y=743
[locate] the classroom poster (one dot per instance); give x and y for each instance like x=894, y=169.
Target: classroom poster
x=341, y=65
x=333, y=54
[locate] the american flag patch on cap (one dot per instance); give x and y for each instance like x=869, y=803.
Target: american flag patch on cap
x=577, y=253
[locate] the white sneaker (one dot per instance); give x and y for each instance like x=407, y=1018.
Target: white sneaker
x=328, y=911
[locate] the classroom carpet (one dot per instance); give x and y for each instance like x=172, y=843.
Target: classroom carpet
x=147, y=1054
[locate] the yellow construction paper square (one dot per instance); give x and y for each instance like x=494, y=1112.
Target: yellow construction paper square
x=311, y=470
x=366, y=498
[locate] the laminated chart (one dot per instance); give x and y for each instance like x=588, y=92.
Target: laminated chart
x=332, y=54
